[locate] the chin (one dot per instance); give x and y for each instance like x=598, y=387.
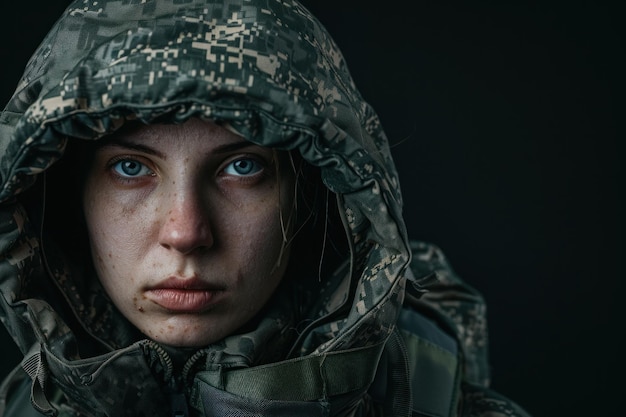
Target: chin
x=191, y=339
x=183, y=341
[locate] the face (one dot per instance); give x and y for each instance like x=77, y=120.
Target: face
x=185, y=228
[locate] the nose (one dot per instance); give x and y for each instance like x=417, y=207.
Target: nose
x=186, y=226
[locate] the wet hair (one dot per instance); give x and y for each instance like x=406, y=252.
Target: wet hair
x=318, y=241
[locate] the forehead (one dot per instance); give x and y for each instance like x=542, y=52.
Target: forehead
x=192, y=130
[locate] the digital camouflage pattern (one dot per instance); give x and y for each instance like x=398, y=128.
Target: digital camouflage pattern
x=269, y=70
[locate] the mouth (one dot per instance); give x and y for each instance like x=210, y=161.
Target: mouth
x=184, y=295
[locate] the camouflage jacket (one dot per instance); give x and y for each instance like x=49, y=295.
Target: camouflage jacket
x=270, y=70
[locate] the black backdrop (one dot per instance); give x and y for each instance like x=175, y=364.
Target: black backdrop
x=504, y=124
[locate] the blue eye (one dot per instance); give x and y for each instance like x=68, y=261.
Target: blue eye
x=243, y=167
x=131, y=168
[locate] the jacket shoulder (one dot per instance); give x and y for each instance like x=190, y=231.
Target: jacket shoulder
x=443, y=324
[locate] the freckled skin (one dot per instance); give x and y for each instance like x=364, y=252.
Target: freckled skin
x=188, y=216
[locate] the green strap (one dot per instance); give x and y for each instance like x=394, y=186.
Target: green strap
x=34, y=366
x=307, y=378
x=398, y=378
x=434, y=370
x=435, y=366
x=19, y=403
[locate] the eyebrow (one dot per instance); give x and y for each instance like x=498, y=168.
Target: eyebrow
x=220, y=149
x=132, y=146
x=235, y=146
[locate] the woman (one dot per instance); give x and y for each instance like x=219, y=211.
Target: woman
x=200, y=217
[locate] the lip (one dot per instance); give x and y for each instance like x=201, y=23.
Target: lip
x=184, y=295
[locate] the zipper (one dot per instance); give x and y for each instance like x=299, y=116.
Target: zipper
x=173, y=384
x=178, y=404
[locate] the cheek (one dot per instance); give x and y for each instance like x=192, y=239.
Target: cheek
x=114, y=232
x=114, y=253
x=105, y=249
x=261, y=240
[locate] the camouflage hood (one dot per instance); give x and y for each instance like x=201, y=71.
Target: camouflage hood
x=236, y=61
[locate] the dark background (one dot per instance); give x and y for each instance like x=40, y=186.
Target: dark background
x=504, y=123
